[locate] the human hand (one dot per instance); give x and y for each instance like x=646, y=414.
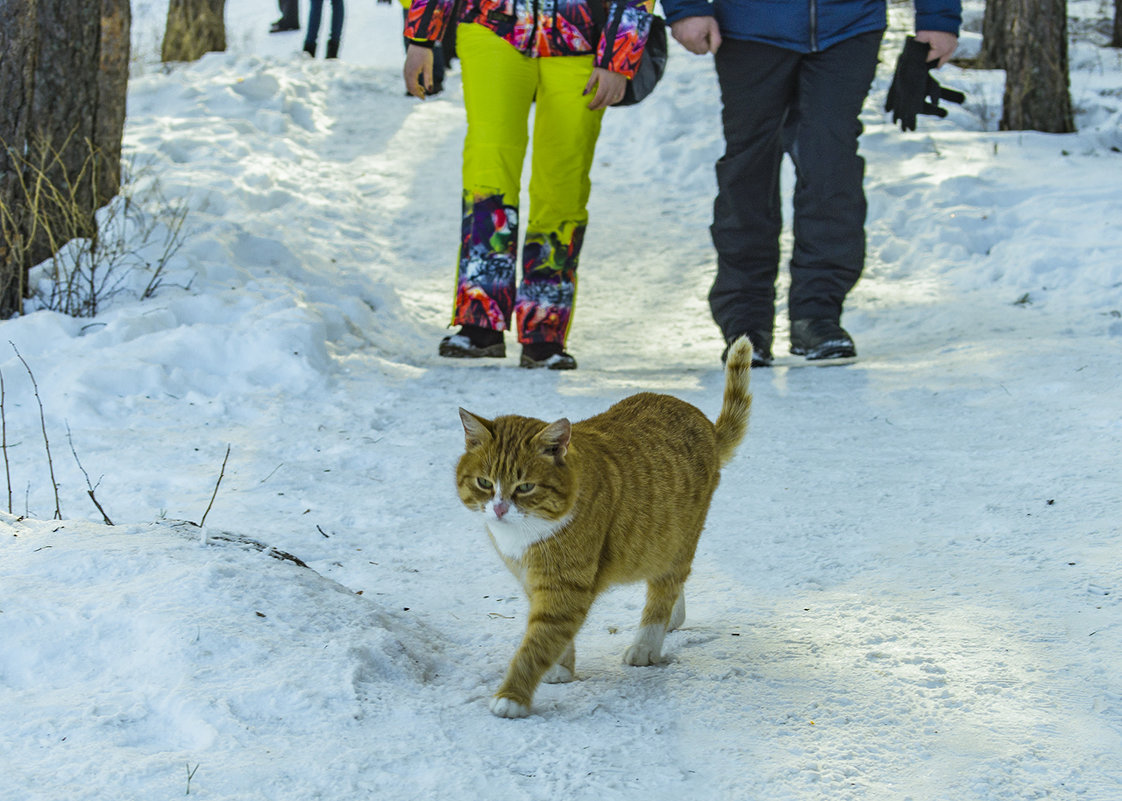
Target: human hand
x=699, y=35
x=914, y=89
x=418, y=70
x=609, y=88
x=942, y=44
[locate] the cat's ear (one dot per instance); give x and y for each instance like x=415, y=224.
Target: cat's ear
x=477, y=431
x=554, y=439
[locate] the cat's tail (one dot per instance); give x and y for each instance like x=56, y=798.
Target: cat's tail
x=732, y=422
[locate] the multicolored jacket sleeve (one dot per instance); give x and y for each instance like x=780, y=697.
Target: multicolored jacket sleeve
x=427, y=19
x=545, y=28
x=625, y=35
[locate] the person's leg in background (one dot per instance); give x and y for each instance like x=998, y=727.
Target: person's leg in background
x=499, y=85
x=829, y=198
x=315, y=14
x=758, y=83
x=336, y=38
x=290, y=17
x=565, y=134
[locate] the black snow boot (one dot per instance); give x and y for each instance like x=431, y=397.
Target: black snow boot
x=283, y=25
x=761, y=348
x=473, y=342
x=548, y=355
x=332, y=48
x=821, y=338
x=310, y=48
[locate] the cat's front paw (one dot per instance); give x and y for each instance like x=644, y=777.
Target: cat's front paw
x=558, y=674
x=508, y=708
x=647, y=648
x=642, y=654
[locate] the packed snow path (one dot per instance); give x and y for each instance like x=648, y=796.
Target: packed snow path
x=908, y=586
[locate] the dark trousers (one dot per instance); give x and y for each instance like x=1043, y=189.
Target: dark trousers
x=315, y=12
x=290, y=12
x=808, y=105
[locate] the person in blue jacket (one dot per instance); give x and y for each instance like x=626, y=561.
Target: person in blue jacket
x=793, y=76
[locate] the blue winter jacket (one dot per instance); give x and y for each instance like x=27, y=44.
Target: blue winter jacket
x=809, y=25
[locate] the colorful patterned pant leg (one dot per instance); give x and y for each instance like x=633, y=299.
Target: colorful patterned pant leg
x=544, y=307
x=488, y=253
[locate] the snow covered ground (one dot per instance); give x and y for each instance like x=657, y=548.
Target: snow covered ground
x=910, y=583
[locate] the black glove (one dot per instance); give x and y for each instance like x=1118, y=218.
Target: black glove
x=914, y=90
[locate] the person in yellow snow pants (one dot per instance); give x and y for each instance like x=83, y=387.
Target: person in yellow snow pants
x=501, y=86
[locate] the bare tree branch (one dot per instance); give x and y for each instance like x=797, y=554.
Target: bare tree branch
x=216, y=486
x=43, y=423
x=4, y=443
x=89, y=492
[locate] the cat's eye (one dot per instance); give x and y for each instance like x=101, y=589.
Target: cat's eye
x=484, y=483
x=524, y=488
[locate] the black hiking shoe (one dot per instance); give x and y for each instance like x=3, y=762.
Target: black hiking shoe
x=761, y=348
x=821, y=338
x=474, y=342
x=282, y=26
x=548, y=355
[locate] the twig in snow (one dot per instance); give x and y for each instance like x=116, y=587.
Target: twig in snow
x=43, y=423
x=90, y=491
x=4, y=440
x=217, y=484
x=190, y=775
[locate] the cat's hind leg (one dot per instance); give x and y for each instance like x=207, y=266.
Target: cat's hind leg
x=564, y=670
x=663, y=600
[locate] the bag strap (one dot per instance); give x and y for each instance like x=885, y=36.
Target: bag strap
x=598, y=11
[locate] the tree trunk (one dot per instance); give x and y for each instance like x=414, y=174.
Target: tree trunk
x=1037, y=95
x=994, y=35
x=61, y=122
x=16, y=43
x=1116, y=40
x=194, y=27
x=112, y=90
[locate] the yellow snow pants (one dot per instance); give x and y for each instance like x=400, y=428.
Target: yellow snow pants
x=501, y=86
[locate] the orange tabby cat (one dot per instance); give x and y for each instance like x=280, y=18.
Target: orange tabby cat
x=575, y=508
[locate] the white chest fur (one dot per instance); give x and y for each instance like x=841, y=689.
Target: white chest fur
x=514, y=533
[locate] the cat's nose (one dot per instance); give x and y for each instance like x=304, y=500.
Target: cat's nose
x=501, y=508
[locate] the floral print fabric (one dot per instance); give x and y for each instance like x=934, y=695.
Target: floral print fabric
x=544, y=28
x=485, y=284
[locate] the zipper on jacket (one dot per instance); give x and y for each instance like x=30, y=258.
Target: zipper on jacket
x=813, y=26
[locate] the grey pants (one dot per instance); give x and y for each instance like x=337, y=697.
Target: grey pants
x=808, y=105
